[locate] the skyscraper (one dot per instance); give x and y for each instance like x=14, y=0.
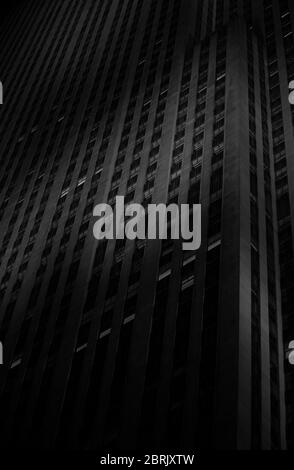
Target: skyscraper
x=135, y=344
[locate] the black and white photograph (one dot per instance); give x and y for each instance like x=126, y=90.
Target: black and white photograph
x=147, y=230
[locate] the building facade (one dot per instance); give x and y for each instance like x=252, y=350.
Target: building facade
x=125, y=344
